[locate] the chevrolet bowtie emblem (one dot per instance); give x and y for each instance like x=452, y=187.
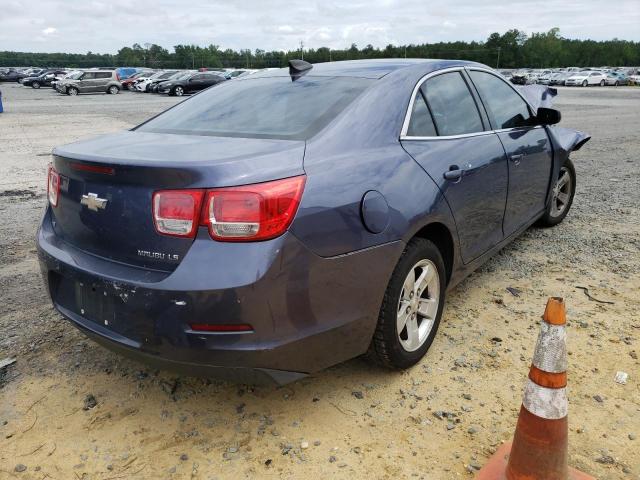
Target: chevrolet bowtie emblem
x=93, y=202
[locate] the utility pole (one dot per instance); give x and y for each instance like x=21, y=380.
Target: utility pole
x=301, y=50
x=405, y=52
x=330, y=55
x=498, y=62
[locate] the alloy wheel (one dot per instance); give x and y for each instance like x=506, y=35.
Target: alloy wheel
x=179, y=91
x=418, y=305
x=72, y=91
x=561, y=193
x=36, y=85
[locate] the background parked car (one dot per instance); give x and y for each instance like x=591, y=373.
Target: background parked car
x=559, y=78
x=521, y=77
x=544, y=79
x=12, y=76
x=122, y=73
x=44, y=79
x=616, y=78
x=128, y=82
x=89, y=81
x=190, y=82
x=143, y=84
x=152, y=86
x=586, y=78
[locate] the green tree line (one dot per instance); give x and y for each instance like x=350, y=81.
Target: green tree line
x=511, y=49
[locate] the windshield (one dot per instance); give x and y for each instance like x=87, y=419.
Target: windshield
x=177, y=75
x=272, y=107
x=158, y=75
x=183, y=76
x=74, y=75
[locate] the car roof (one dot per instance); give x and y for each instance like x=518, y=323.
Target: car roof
x=375, y=68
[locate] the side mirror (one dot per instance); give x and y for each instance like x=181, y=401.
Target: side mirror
x=547, y=116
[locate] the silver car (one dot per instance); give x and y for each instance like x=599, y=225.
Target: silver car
x=89, y=81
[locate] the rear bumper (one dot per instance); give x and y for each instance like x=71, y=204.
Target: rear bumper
x=307, y=312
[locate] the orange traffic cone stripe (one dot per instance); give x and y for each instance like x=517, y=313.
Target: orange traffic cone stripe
x=547, y=379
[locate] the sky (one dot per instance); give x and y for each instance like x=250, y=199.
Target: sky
x=78, y=26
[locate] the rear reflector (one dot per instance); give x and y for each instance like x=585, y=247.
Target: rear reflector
x=228, y=328
x=175, y=212
x=252, y=212
x=53, y=186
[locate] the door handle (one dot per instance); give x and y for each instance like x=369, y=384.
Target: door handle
x=516, y=158
x=454, y=173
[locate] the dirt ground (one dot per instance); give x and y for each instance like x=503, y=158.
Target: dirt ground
x=353, y=420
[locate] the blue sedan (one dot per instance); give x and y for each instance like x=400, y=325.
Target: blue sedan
x=277, y=224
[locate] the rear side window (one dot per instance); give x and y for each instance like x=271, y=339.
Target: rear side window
x=454, y=109
x=103, y=75
x=273, y=107
x=505, y=107
x=421, y=123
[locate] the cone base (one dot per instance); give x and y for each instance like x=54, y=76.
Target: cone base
x=496, y=467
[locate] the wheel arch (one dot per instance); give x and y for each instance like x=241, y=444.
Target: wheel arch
x=441, y=236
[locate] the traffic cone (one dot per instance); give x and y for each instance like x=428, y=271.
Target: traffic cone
x=539, y=447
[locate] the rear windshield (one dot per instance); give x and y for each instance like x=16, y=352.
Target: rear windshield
x=272, y=107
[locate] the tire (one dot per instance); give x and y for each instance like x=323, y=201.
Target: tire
x=584, y=83
x=73, y=91
x=113, y=90
x=394, y=349
x=35, y=85
x=178, y=91
x=559, y=207
x=602, y=83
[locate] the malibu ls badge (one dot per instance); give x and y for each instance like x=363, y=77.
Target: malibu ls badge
x=172, y=257
x=93, y=202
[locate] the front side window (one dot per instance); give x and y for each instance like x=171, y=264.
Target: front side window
x=421, y=123
x=505, y=107
x=88, y=76
x=272, y=107
x=454, y=109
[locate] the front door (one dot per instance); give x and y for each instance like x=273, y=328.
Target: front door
x=87, y=83
x=447, y=137
x=526, y=146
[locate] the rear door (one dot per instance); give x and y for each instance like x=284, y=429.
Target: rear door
x=195, y=83
x=102, y=80
x=527, y=148
x=449, y=137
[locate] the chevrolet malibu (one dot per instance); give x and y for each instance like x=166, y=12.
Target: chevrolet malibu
x=281, y=223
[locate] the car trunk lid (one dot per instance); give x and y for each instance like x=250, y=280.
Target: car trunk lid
x=107, y=184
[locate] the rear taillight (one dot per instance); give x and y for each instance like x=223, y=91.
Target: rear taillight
x=176, y=212
x=252, y=212
x=234, y=214
x=53, y=186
